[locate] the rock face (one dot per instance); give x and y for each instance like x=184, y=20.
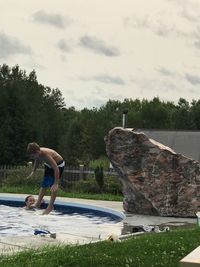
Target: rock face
x=156, y=180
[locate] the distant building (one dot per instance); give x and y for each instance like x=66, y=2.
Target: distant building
x=185, y=142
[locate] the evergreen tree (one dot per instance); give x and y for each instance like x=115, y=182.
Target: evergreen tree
x=29, y=112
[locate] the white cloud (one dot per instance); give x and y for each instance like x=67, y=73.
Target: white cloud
x=166, y=72
x=104, y=78
x=193, y=79
x=11, y=46
x=55, y=20
x=98, y=46
x=158, y=26
x=109, y=79
x=64, y=46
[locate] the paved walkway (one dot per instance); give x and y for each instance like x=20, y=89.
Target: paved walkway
x=12, y=244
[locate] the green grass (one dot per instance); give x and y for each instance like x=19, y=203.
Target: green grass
x=19, y=190
x=164, y=249
x=25, y=189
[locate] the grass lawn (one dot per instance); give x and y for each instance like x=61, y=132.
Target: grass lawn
x=35, y=190
x=161, y=249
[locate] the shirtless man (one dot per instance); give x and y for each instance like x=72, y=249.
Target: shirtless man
x=54, y=166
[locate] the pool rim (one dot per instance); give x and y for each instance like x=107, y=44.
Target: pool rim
x=64, y=203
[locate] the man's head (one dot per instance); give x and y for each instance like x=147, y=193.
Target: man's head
x=33, y=149
x=29, y=200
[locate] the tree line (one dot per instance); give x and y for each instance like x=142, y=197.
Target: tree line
x=31, y=112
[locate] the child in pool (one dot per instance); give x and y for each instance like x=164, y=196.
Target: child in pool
x=31, y=201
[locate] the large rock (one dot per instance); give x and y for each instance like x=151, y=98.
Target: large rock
x=156, y=180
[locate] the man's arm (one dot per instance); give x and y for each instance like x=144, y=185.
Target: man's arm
x=35, y=166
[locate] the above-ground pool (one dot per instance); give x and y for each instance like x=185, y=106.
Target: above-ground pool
x=68, y=219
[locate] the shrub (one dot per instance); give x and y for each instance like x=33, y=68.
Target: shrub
x=86, y=186
x=111, y=185
x=99, y=176
x=102, y=161
x=18, y=177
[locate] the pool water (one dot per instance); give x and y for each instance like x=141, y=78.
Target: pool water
x=16, y=221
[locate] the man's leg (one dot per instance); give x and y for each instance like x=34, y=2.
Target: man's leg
x=40, y=196
x=51, y=202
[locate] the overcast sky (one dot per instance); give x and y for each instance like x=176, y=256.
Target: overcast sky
x=96, y=50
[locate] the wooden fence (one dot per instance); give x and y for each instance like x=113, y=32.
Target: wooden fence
x=70, y=175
